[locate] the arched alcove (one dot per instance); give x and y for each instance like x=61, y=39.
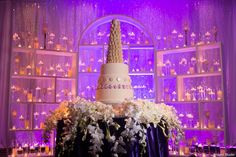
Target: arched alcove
x=138, y=52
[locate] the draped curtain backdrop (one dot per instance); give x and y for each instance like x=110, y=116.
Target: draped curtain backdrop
x=5, y=53
x=70, y=18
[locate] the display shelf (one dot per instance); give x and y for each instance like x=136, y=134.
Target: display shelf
x=191, y=80
x=37, y=76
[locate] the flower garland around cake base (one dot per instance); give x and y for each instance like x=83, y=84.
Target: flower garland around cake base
x=86, y=116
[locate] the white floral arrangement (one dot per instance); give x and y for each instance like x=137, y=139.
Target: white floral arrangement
x=84, y=116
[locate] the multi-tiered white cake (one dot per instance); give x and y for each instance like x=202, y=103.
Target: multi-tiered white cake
x=114, y=84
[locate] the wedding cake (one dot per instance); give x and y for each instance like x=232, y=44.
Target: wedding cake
x=114, y=83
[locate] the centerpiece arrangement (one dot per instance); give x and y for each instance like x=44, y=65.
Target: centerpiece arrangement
x=96, y=121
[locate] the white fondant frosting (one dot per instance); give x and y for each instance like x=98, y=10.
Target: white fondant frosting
x=114, y=84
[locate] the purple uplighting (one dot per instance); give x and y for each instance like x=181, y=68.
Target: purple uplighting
x=181, y=53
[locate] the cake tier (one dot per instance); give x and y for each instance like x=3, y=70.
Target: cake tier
x=114, y=84
x=113, y=96
x=115, y=68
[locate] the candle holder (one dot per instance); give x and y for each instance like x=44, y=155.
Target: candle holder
x=21, y=118
x=208, y=37
x=193, y=38
x=183, y=66
x=180, y=40
x=36, y=43
x=174, y=39
x=219, y=94
x=186, y=29
x=215, y=33
x=36, y=116
x=207, y=118
x=14, y=115
x=45, y=29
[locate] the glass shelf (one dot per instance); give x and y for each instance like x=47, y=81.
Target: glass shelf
x=205, y=129
x=26, y=130
x=44, y=51
x=193, y=75
x=197, y=101
x=34, y=102
x=55, y=53
x=41, y=77
x=177, y=50
x=141, y=73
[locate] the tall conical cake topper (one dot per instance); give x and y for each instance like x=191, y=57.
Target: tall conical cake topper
x=114, y=54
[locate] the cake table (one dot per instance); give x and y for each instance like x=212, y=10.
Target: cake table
x=157, y=143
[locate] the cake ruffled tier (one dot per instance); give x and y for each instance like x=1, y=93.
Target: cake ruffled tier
x=114, y=84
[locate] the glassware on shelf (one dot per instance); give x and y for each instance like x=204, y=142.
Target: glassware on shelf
x=158, y=42
x=215, y=33
x=219, y=94
x=216, y=66
x=180, y=40
x=212, y=95
x=36, y=116
x=14, y=115
x=174, y=39
x=167, y=67
x=59, y=70
x=51, y=71
x=188, y=96
x=39, y=68
x=36, y=43
x=64, y=43
x=172, y=70
x=167, y=94
x=193, y=92
x=16, y=40
x=201, y=93
x=68, y=70
x=21, y=118
x=208, y=37
x=20, y=151
x=186, y=30
x=160, y=69
x=183, y=66
x=17, y=65
x=165, y=46
x=174, y=98
x=44, y=94
x=26, y=124
x=29, y=96
x=181, y=117
x=207, y=118
x=43, y=116
x=193, y=39
x=193, y=62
